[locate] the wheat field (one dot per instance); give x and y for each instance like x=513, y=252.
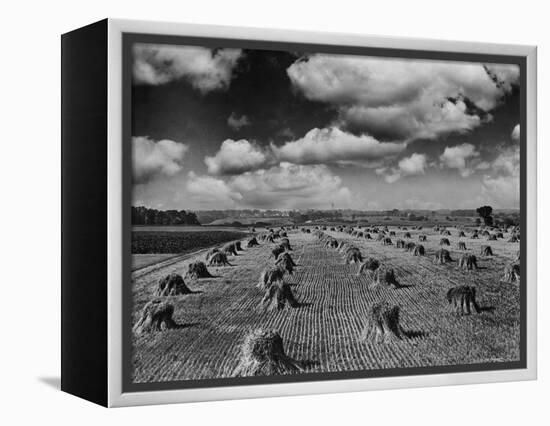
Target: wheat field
x=324, y=332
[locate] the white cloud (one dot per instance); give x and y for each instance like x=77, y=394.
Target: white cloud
x=501, y=185
x=406, y=98
x=413, y=165
x=331, y=145
x=236, y=123
x=390, y=175
x=208, y=189
x=483, y=165
x=318, y=146
x=502, y=191
x=422, y=118
x=408, y=166
x=284, y=186
x=457, y=157
x=507, y=163
x=504, y=75
x=515, y=133
x=205, y=69
x=235, y=157
x=151, y=159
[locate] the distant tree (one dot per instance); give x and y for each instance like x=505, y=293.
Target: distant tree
x=485, y=213
x=145, y=216
x=478, y=221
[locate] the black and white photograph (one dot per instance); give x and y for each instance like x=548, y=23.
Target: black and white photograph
x=298, y=213
x=269, y=214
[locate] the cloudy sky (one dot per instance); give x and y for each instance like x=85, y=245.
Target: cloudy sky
x=231, y=128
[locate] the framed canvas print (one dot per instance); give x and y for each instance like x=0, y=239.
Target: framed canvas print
x=253, y=212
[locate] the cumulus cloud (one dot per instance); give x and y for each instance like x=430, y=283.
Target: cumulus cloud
x=515, y=133
x=422, y=118
x=283, y=186
x=507, y=162
x=413, y=165
x=318, y=146
x=501, y=190
x=408, y=99
x=205, y=69
x=155, y=158
x=208, y=189
x=236, y=123
x=332, y=145
x=408, y=166
x=501, y=185
x=503, y=75
x=390, y=175
x=235, y=157
x=457, y=157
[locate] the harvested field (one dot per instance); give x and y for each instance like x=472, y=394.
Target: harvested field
x=324, y=331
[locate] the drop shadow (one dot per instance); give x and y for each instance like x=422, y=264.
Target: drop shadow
x=414, y=334
x=195, y=280
x=384, y=286
x=480, y=309
x=186, y=325
x=308, y=364
x=400, y=286
x=53, y=382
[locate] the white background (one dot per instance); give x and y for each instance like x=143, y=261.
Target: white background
x=30, y=196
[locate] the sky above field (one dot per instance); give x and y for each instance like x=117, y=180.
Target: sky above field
x=234, y=129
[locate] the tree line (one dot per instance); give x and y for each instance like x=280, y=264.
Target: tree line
x=145, y=216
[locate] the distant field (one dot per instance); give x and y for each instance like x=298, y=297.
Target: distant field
x=370, y=220
x=399, y=221
x=252, y=220
x=179, y=242
x=325, y=331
